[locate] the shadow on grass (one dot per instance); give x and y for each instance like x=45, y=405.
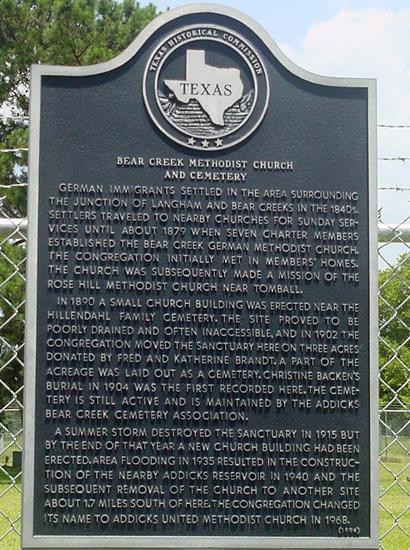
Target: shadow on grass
x=7, y=471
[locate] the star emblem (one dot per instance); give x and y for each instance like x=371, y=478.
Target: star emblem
x=205, y=143
x=218, y=143
x=191, y=141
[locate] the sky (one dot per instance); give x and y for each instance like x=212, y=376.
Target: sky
x=351, y=38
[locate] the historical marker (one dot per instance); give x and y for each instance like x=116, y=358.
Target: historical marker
x=201, y=320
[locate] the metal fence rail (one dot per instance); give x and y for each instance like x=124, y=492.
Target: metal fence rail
x=394, y=296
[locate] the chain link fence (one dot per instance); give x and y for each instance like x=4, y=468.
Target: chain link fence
x=394, y=376
x=394, y=301
x=12, y=290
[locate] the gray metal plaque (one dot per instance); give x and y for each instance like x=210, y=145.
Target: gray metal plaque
x=201, y=346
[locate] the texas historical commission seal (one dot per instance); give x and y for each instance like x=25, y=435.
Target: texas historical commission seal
x=206, y=87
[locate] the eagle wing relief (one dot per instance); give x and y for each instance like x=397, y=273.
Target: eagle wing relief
x=246, y=101
x=168, y=103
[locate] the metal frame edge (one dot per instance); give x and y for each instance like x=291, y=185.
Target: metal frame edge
x=31, y=307
x=373, y=317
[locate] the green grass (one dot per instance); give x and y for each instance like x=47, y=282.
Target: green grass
x=395, y=466
x=391, y=450
x=395, y=469
x=10, y=504
x=10, y=496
